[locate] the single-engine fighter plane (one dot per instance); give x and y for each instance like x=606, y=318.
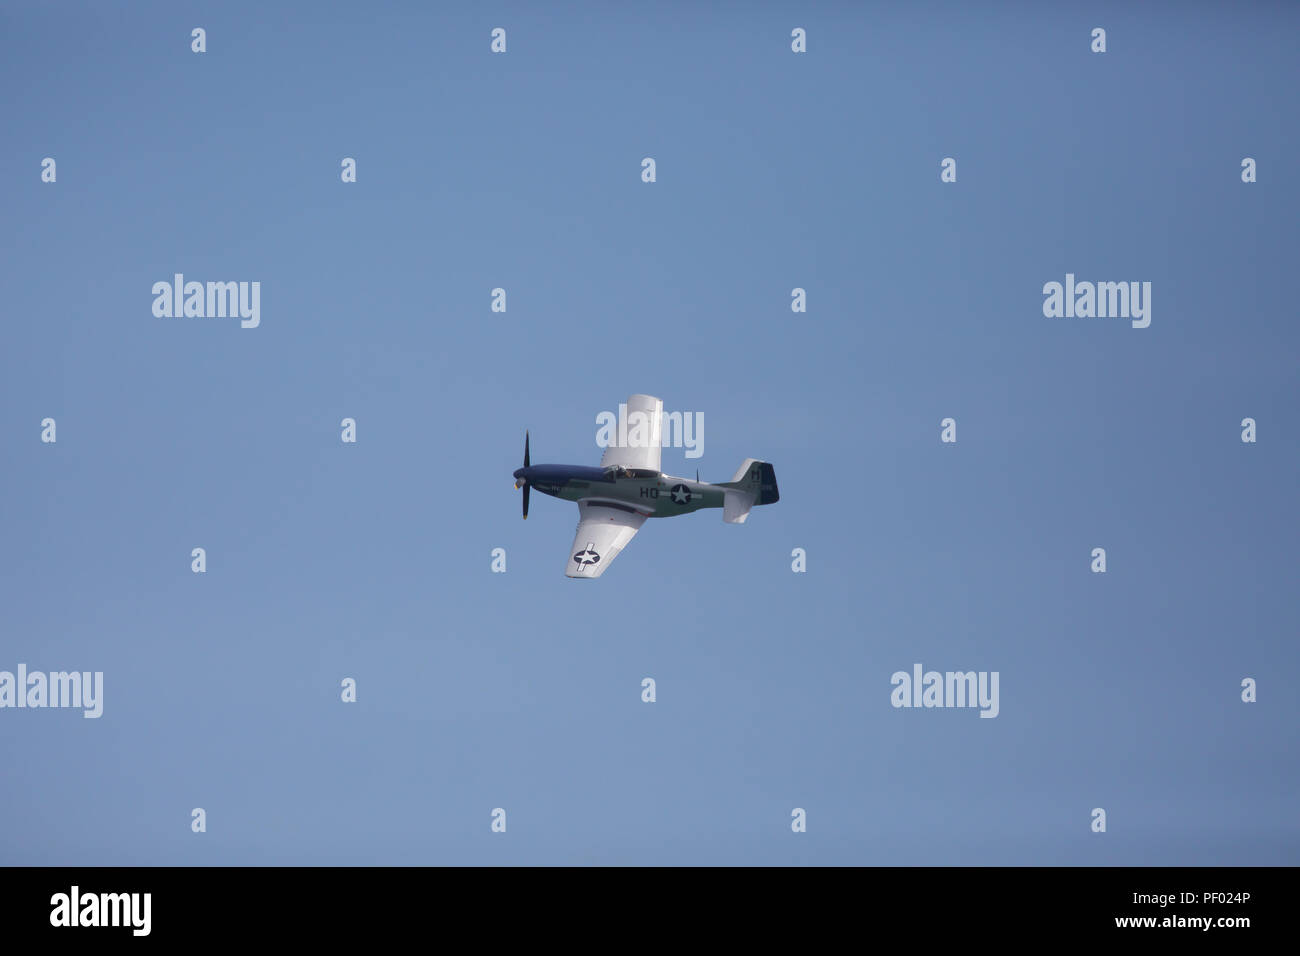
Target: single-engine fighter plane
x=615, y=499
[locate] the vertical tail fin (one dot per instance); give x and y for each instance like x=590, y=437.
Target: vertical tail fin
x=753, y=484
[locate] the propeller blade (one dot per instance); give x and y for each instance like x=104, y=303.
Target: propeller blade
x=525, y=449
x=526, y=490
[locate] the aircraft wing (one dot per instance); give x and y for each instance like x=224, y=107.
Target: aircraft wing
x=603, y=531
x=641, y=429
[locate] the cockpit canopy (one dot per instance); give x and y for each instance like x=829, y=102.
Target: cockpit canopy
x=618, y=471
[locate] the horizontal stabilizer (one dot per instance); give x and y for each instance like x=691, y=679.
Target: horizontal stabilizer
x=736, y=505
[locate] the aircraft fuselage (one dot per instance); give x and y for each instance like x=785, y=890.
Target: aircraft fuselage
x=653, y=494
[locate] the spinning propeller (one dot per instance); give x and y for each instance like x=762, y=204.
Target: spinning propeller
x=523, y=482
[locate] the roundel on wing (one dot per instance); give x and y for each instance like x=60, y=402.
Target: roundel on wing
x=586, y=558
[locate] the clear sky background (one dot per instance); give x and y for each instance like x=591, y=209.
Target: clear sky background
x=523, y=690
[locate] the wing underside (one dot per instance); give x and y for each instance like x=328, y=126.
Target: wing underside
x=603, y=531
x=636, y=444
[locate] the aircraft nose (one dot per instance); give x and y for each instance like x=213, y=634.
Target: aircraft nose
x=519, y=473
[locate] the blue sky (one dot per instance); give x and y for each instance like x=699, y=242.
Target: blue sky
x=521, y=690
